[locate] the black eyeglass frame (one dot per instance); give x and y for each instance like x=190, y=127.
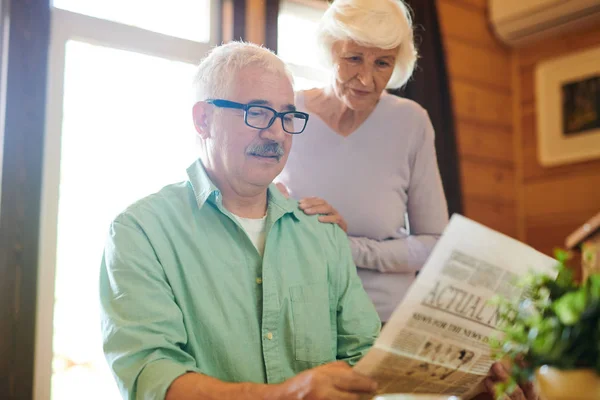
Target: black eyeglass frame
x=240, y=106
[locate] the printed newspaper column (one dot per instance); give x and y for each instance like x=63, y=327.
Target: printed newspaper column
x=437, y=339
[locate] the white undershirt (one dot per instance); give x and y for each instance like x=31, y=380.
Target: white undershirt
x=255, y=229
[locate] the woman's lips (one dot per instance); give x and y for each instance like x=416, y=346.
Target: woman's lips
x=360, y=93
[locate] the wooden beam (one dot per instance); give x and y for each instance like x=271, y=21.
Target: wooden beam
x=271, y=28
x=255, y=21
x=29, y=33
x=233, y=20
x=518, y=149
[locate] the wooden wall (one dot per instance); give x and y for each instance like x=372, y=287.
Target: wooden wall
x=481, y=84
x=555, y=200
x=504, y=185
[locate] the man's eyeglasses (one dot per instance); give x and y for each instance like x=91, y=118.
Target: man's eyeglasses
x=262, y=117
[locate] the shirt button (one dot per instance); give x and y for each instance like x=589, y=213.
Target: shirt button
x=259, y=280
x=269, y=336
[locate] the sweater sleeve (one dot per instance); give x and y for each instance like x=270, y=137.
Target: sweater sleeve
x=427, y=213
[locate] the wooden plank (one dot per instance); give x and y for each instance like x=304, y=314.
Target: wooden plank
x=532, y=170
x=498, y=216
x=527, y=84
x=487, y=181
x=473, y=103
x=478, y=4
x=574, y=264
x=226, y=21
x=559, y=45
x=550, y=231
x=517, y=148
x=478, y=64
x=467, y=24
x=255, y=25
x=563, y=194
x=528, y=108
x=271, y=27
x=484, y=141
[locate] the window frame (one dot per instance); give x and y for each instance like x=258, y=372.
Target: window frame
x=67, y=25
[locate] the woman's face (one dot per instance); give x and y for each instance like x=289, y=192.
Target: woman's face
x=361, y=73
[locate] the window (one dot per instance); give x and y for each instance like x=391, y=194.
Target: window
x=186, y=19
x=300, y=50
x=118, y=129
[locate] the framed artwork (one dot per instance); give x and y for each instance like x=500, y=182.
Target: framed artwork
x=568, y=108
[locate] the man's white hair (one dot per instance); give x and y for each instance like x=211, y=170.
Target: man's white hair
x=219, y=70
x=385, y=24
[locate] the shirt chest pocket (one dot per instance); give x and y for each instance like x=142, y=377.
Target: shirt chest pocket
x=312, y=323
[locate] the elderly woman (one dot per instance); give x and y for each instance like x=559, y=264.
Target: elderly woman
x=369, y=154
x=367, y=160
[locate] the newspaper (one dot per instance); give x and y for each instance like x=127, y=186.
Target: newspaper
x=437, y=339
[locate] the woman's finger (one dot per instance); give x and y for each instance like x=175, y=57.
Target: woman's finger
x=334, y=219
x=324, y=209
x=311, y=202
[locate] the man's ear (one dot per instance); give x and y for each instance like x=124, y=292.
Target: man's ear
x=202, y=113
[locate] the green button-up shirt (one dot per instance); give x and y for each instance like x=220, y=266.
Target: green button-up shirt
x=183, y=289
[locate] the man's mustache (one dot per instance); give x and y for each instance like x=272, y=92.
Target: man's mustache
x=268, y=149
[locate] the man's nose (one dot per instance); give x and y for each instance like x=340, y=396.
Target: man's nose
x=274, y=132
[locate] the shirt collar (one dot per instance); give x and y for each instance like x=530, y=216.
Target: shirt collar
x=203, y=188
x=201, y=184
x=279, y=201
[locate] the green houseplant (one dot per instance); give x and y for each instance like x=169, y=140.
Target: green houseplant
x=553, y=327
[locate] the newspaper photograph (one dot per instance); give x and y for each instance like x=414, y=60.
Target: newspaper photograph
x=438, y=339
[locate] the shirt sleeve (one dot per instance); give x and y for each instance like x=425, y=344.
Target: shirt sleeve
x=142, y=326
x=358, y=324
x=427, y=215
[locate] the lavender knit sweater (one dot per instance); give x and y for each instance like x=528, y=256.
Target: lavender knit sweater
x=382, y=173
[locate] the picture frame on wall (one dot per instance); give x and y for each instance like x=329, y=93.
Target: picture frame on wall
x=568, y=108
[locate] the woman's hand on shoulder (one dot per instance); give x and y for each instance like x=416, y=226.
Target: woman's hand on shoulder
x=326, y=212
x=316, y=205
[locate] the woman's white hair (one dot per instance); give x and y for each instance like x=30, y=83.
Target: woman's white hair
x=219, y=70
x=385, y=24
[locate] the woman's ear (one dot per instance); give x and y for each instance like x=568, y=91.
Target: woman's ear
x=202, y=113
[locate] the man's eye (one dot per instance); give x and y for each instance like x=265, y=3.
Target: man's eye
x=255, y=112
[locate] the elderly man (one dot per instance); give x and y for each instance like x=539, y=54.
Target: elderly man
x=220, y=287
